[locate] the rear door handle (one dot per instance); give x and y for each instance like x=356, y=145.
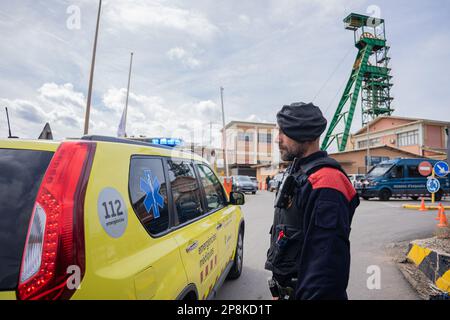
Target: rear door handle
x=192, y=246
x=219, y=226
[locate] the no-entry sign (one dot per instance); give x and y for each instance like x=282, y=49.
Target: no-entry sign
x=425, y=168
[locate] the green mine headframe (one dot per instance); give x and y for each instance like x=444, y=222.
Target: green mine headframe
x=370, y=75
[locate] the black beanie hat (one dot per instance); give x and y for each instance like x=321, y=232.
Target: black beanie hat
x=301, y=121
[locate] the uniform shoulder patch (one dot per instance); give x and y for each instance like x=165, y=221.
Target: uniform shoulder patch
x=334, y=179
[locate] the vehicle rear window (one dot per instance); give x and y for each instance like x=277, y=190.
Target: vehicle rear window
x=148, y=192
x=21, y=172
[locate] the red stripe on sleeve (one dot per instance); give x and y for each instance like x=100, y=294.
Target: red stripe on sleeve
x=333, y=179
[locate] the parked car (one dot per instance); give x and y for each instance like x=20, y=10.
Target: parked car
x=355, y=179
x=148, y=225
x=255, y=182
x=274, y=183
x=399, y=178
x=244, y=184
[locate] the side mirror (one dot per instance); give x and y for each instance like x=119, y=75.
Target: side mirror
x=237, y=198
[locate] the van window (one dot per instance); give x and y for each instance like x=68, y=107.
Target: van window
x=413, y=172
x=379, y=170
x=21, y=173
x=148, y=193
x=215, y=197
x=185, y=190
x=397, y=172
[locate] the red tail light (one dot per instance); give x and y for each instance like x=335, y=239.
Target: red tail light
x=55, y=237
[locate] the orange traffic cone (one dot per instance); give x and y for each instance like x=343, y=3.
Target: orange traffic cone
x=440, y=209
x=422, y=206
x=443, y=220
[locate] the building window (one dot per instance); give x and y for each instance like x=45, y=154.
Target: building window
x=265, y=137
x=244, y=136
x=410, y=138
x=373, y=142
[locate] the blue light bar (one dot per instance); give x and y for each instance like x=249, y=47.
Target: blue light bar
x=169, y=142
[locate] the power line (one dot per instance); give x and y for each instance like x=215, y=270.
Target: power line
x=332, y=74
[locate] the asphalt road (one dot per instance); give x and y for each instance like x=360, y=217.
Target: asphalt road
x=376, y=226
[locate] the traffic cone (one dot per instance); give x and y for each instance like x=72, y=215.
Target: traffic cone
x=443, y=220
x=422, y=206
x=440, y=209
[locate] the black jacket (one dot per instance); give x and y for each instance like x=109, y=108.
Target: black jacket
x=326, y=202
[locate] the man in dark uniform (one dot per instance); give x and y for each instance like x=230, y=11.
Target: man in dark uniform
x=309, y=255
x=268, y=178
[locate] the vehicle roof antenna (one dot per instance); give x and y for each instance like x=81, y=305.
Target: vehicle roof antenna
x=9, y=126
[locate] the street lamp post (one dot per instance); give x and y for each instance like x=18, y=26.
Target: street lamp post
x=368, y=150
x=91, y=77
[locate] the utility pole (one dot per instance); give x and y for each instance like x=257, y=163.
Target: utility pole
x=128, y=93
x=210, y=133
x=224, y=136
x=368, y=150
x=91, y=77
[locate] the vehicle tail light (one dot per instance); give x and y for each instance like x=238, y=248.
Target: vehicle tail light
x=55, y=238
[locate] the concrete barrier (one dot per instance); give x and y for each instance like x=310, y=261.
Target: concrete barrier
x=433, y=262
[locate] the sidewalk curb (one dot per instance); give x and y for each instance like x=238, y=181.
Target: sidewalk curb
x=434, y=264
x=417, y=207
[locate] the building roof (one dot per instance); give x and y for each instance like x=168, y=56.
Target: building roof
x=379, y=147
x=246, y=123
x=412, y=120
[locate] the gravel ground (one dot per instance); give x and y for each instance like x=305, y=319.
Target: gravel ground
x=441, y=246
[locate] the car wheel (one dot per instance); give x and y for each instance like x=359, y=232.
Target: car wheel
x=366, y=198
x=385, y=195
x=254, y=192
x=236, y=269
x=438, y=196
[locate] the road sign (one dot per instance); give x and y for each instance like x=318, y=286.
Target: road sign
x=441, y=168
x=433, y=185
x=425, y=168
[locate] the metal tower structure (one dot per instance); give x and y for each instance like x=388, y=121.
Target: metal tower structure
x=370, y=76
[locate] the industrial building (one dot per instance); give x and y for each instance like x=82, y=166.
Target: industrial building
x=391, y=137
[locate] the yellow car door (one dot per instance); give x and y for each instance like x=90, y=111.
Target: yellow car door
x=216, y=202
x=164, y=276
x=196, y=235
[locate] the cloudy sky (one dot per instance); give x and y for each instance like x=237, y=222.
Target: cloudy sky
x=265, y=53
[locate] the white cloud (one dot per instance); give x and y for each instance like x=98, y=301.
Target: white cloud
x=254, y=118
x=154, y=14
x=154, y=116
x=63, y=107
x=185, y=57
x=60, y=105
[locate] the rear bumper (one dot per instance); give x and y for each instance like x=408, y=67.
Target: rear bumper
x=8, y=295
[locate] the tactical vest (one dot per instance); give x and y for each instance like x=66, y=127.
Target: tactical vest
x=287, y=234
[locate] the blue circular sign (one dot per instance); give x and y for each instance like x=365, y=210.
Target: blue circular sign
x=433, y=185
x=441, y=168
